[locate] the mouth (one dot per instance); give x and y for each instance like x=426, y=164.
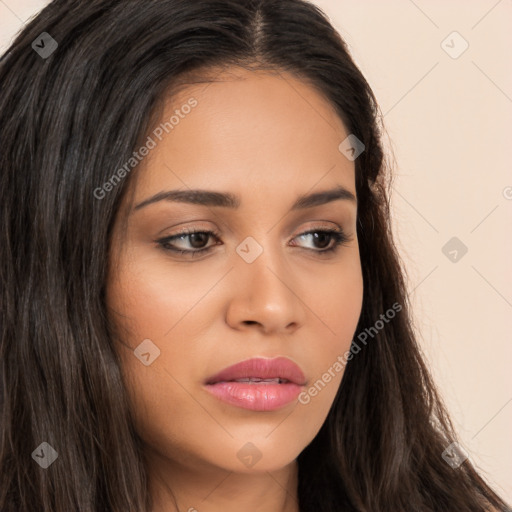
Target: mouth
x=258, y=384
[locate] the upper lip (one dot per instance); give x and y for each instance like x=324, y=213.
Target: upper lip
x=261, y=368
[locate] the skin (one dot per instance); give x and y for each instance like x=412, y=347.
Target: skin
x=269, y=139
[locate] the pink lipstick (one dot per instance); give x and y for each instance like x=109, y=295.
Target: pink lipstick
x=258, y=384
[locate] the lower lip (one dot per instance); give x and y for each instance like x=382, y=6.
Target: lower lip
x=255, y=397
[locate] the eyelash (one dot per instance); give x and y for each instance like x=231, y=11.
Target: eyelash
x=339, y=237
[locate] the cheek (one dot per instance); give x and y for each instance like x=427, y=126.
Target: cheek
x=148, y=297
x=337, y=304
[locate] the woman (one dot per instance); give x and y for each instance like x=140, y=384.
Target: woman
x=202, y=306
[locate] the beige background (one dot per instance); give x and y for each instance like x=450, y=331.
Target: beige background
x=449, y=121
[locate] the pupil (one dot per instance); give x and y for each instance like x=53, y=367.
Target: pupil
x=322, y=236
x=195, y=236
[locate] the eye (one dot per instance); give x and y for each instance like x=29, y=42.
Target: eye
x=324, y=237
x=329, y=241
x=196, y=239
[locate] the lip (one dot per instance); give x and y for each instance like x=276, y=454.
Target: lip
x=255, y=395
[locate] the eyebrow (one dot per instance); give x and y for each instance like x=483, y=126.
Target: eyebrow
x=228, y=200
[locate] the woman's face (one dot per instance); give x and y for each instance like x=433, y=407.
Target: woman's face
x=263, y=289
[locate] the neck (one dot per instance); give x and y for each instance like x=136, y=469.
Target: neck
x=176, y=487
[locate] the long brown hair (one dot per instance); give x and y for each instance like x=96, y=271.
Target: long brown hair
x=75, y=101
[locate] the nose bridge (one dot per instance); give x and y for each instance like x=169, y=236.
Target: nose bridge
x=262, y=257
x=264, y=283
x=267, y=262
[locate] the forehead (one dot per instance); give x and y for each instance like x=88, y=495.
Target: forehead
x=252, y=130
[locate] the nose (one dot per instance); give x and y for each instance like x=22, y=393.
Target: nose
x=266, y=295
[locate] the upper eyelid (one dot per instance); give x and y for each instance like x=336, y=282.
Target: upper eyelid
x=215, y=233
x=322, y=225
